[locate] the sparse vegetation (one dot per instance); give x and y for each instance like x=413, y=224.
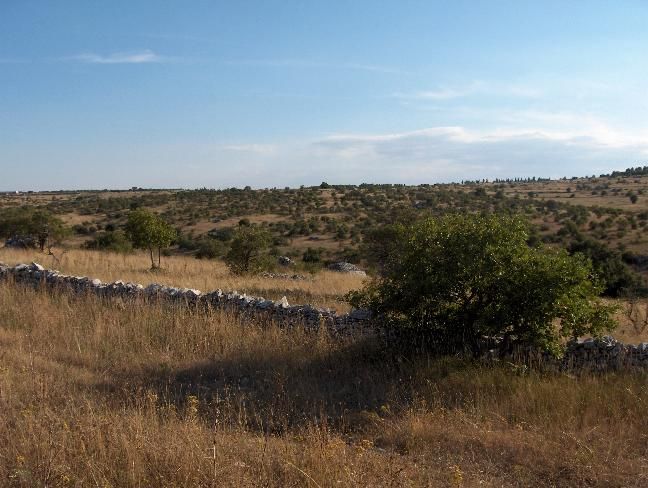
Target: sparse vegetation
x=120, y=395
x=117, y=394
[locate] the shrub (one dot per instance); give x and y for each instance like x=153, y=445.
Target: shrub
x=223, y=234
x=246, y=250
x=616, y=276
x=312, y=255
x=210, y=249
x=35, y=224
x=463, y=278
x=115, y=241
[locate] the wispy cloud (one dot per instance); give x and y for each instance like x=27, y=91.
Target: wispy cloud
x=251, y=148
x=133, y=57
x=429, y=155
x=447, y=153
x=470, y=89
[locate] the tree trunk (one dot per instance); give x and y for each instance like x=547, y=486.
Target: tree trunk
x=152, y=260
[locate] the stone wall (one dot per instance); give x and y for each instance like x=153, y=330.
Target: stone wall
x=591, y=354
x=281, y=311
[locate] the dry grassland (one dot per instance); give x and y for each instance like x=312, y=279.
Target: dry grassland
x=325, y=289
x=117, y=394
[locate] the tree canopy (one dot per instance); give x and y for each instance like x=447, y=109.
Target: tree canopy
x=37, y=226
x=461, y=278
x=246, y=251
x=149, y=231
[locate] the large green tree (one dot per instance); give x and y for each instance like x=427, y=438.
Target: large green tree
x=462, y=278
x=149, y=231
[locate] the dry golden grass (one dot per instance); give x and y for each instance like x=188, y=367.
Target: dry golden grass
x=120, y=394
x=632, y=320
x=325, y=289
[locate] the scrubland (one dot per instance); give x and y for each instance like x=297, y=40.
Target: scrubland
x=96, y=393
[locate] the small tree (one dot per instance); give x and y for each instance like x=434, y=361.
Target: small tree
x=148, y=231
x=459, y=279
x=35, y=225
x=246, y=250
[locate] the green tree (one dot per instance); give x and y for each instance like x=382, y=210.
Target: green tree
x=246, y=250
x=615, y=275
x=461, y=278
x=33, y=224
x=380, y=244
x=148, y=231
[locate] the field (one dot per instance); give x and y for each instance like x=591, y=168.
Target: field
x=97, y=393
x=115, y=394
x=325, y=289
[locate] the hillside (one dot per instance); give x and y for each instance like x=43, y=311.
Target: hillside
x=604, y=217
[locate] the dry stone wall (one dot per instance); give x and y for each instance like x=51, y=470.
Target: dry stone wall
x=591, y=354
x=280, y=310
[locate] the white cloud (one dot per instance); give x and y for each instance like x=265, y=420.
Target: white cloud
x=137, y=57
x=470, y=89
x=251, y=148
x=450, y=153
x=435, y=154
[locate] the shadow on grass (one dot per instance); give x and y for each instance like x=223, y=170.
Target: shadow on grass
x=344, y=389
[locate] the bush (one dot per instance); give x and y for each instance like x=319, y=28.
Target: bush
x=312, y=255
x=462, y=278
x=224, y=234
x=110, y=241
x=616, y=276
x=33, y=224
x=246, y=251
x=210, y=249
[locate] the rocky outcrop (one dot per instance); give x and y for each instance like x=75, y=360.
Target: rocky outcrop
x=284, y=276
x=285, y=261
x=21, y=242
x=343, y=267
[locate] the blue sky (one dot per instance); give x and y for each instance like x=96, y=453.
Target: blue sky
x=283, y=93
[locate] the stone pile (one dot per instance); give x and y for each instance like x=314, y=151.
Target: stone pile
x=604, y=353
x=285, y=261
x=20, y=242
x=284, y=276
x=343, y=267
